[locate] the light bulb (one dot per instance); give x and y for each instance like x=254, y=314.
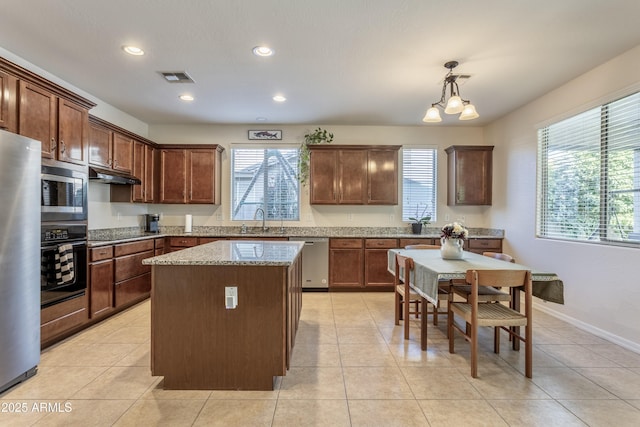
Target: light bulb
x=454, y=105
x=469, y=112
x=432, y=116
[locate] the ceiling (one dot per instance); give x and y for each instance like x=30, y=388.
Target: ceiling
x=351, y=62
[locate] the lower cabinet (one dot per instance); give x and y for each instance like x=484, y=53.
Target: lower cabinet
x=483, y=245
x=100, y=281
x=179, y=243
x=61, y=318
x=376, y=274
x=132, y=278
x=346, y=261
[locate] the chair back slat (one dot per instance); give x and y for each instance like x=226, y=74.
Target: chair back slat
x=421, y=246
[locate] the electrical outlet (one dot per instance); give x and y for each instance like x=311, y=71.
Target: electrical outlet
x=119, y=216
x=219, y=216
x=309, y=217
x=230, y=297
x=447, y=217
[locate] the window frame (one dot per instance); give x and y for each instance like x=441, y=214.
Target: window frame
x=407, y=206
x=608, y=143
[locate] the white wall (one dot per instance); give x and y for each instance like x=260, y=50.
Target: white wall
x=602, y=292
x=348, y=216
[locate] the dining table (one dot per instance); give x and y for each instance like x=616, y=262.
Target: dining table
x=430, y=269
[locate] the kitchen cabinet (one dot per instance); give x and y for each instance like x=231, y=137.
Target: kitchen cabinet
x=353, y=174
x=62, y=319
x=101, y=283
x=179, y=243
x=346, y=260
x=190, y=174
x=158, y=245
x=469, y=174
x=8, y=102
x=483, y=245
x=122, y=153
x=143, y=169
x=376, y=274
x=418, y=241
x=59, y=124
x=109, y=148
x=132, y=278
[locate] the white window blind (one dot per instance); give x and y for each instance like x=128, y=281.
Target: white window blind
x=419, y=183
x=265, y=179
x=589, y=175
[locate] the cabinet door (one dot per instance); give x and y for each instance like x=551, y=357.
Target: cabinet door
x=352, y=173
x=100, y=146
x=469, y=175
x=149, y=181
x=73, y=132
x=323, y=177
x=376, y=273
x=346, y=267
x=138, y=171
x=383, y=177
x=37, y=117
x=200, y=176
x=122, y=153
x=5, y=94
x=101, y=290
x=173, y=176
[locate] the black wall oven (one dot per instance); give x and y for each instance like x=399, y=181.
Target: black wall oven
x=63, y=192
x=63, y=271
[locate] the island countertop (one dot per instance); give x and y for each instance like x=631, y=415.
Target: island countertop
x=232, y=252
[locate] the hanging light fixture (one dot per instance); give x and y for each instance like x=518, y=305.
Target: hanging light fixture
x=455, y=104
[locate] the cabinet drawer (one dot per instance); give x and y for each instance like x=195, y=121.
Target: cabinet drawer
x=132, y=289
x=204, y=240
x=406, y=242
x=381, y=243
x=159, y=243
x=133, y=247
x=485, y=244
x=131, y=266
x=345, y=243
x=183, y=242
x=100, y=253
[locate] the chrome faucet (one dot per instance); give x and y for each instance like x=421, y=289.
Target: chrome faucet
x=264, y=219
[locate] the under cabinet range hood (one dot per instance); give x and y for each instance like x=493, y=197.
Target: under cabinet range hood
x=108, y=176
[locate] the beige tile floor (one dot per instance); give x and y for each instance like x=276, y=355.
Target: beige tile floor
x=350, y=366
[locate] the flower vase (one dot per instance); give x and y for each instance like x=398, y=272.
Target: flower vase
x=451, y=248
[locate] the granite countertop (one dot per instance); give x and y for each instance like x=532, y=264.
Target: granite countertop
x=123, y=235
x=231, y=252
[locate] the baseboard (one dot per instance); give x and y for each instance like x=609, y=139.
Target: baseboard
x=622, y=342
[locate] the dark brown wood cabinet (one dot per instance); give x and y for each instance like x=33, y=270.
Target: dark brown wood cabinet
x=60, y=125
x=469, y=174
x=353, y=174
x=132, y=278
x=122, y=153
x=483, y=245
x=100, y=145
x=61, y=319
x=7, y=101
x=190, y=174
x=346, y=260
x=376, y=274
x=101, y=283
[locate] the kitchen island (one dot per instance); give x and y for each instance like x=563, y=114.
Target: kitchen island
x=203, y=338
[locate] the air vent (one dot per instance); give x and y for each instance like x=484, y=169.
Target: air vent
x=176, y=76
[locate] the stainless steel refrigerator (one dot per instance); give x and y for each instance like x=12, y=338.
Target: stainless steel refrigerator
x=19, y=258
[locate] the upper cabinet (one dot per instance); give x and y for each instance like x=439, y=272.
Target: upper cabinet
x=469, y=174
x=354, y=174
x=109, y=148
x=37, y=108
x=190, y=174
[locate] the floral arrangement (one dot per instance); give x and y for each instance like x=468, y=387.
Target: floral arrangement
x=422, y=218
x=454, y=231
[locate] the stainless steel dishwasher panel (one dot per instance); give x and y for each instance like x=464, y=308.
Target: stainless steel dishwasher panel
x=315, y=262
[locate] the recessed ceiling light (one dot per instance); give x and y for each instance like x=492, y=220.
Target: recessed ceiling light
x=133, y=50
x=279, y=98
x=261, y=119
x=262, y=51
x=186, y=97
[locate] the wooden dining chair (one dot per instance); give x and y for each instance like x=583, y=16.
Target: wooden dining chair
x=444, y=290
x=405, y=296
x=486, y=294
x=499, y=316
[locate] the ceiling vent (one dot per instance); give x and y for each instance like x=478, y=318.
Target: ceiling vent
x=176, y=76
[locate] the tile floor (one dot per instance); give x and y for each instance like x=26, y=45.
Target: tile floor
x=350, y=366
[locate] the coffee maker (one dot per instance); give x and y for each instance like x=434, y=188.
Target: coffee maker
x=152, y=223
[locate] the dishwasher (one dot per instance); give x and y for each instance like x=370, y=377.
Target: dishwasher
x=315, y=263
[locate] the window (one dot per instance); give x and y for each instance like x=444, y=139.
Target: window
x=265, y=179
x=589, y=175
x=419, y=183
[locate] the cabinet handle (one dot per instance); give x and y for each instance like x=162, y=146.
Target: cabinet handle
x=62, y=147
x=109, y=162
x=115, y=163
x=53, y=144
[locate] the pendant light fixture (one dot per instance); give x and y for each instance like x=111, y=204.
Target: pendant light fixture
x=455, y=104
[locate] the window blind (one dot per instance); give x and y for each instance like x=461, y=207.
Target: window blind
x=589, y=175
x=265, y=179
x=419, y=183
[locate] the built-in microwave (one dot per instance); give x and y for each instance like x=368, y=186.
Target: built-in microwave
x=63, y=193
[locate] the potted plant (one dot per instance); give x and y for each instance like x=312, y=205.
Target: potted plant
x=419, y=219
x=318, y=136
